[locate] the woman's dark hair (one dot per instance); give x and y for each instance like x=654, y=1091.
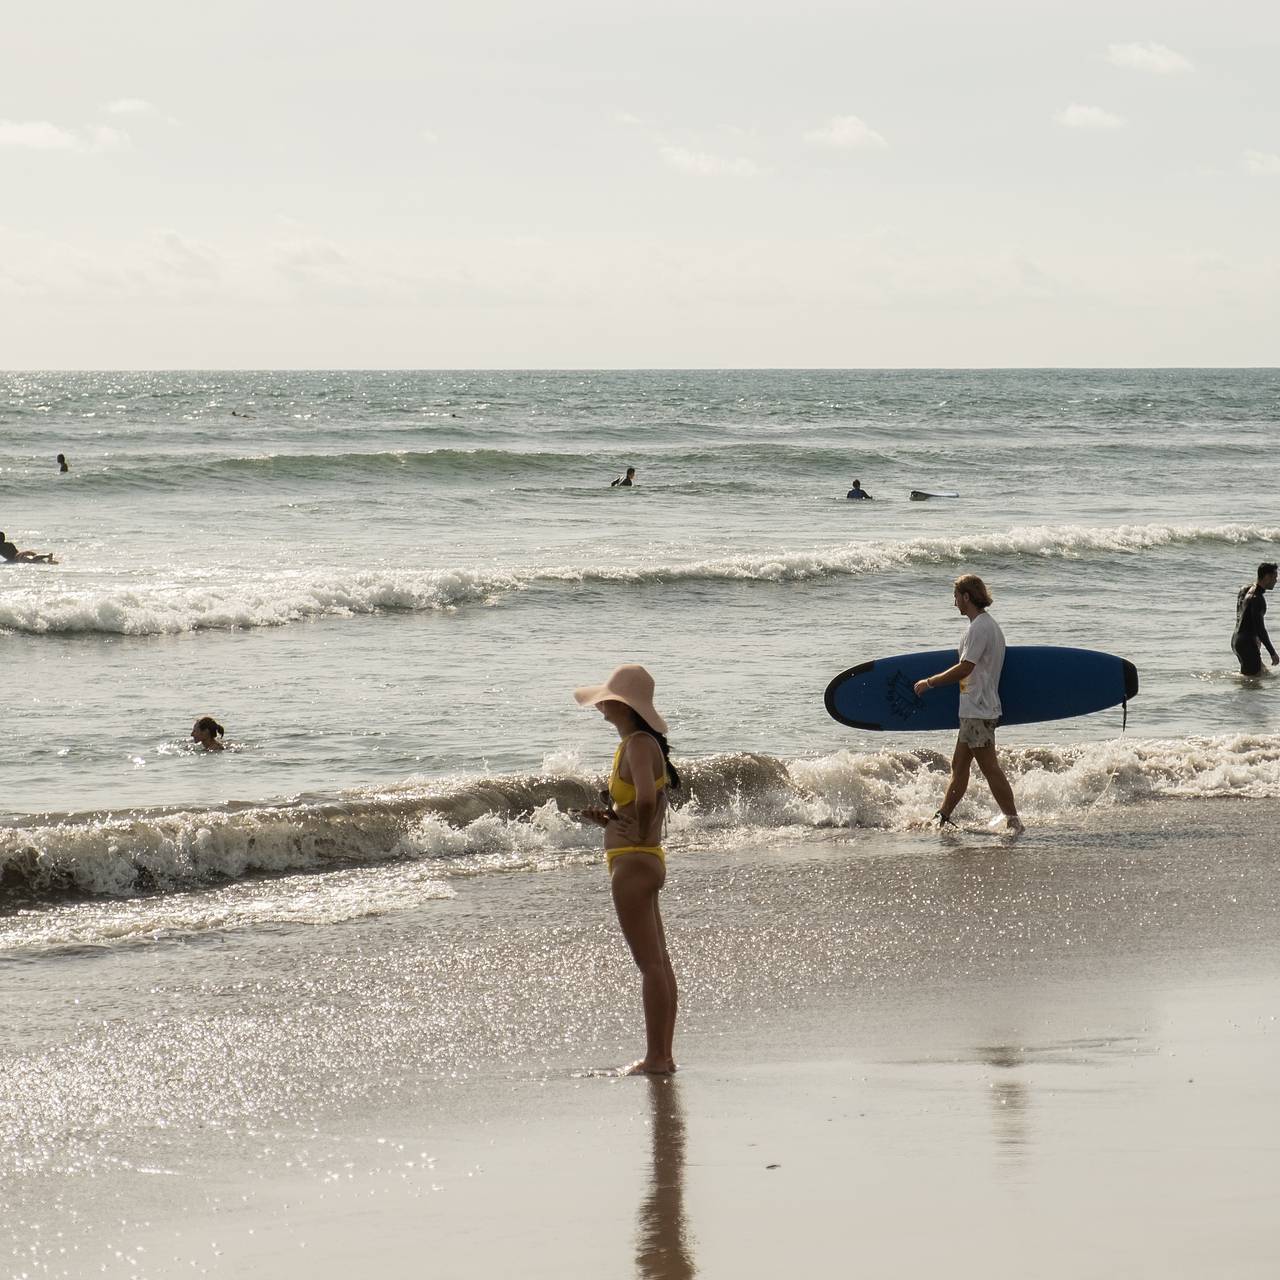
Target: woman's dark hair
x=207, y=724
x=674, y=777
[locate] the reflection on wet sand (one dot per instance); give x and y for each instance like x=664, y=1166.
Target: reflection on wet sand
x=1009, y=1099
x=663, y=1244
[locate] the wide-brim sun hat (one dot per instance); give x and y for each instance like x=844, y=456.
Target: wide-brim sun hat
x=630, y=684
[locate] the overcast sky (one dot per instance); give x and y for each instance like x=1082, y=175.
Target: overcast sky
x=479, y=183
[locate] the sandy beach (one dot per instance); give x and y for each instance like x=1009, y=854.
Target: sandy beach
x=1050, y=1057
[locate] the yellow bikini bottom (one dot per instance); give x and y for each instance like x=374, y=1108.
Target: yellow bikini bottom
x=655, y=849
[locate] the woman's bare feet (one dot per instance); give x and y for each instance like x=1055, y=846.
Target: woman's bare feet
x=658, y=1067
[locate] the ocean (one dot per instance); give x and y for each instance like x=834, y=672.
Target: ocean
x=386, y=584
x=220, y=969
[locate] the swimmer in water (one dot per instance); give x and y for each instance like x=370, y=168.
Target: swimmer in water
x=10, y=554
x=63, y=466
x=207, y=732
x=624, y=482
x=1250, y=635
x=858, y=492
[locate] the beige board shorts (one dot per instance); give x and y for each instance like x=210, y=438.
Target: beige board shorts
x=976, y=734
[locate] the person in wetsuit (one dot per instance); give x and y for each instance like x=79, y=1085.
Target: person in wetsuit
x=624, y=482
x=11, y=553
x=858, y=492
x=1250, y=635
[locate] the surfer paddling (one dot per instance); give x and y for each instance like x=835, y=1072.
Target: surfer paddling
x=978, y=675
x=639, y=783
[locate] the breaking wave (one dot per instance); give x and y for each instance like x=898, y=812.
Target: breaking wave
x=474, y=826
x=278, y=598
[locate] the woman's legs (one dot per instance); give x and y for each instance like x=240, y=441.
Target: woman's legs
x=635, y=882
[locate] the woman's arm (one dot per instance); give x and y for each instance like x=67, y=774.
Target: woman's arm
x=643, y=760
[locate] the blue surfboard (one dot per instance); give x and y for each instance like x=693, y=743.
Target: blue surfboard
x=1039, y=682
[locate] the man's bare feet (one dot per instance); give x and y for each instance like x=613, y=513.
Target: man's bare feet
x=660, y=1067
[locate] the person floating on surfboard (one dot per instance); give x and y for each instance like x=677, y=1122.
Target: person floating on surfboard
x=978, y=675
x=1250, y=634
x=11, y=553
x=858, y=492
x=624, y=482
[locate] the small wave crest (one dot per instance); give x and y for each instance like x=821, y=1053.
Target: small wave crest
x=281, y=598
x=478, y=825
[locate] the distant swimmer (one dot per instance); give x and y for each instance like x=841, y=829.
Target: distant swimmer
x=11, y=555
x=207, y=732
x=978, y=675
x=63, y=468
x=624, y=482
x=234, y=414
x=857, y=493
x=1250, y=635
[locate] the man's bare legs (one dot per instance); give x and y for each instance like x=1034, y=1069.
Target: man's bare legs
x=989, y=763
x=635, y=882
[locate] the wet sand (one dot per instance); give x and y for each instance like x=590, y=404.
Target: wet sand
x=1056, y=1057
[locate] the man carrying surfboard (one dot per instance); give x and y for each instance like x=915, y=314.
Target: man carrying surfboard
x=978, y=675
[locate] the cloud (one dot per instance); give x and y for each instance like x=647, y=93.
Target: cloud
x=1265, y=162
x=37, y=135
x=104, y=138
x=845, y=133
x=129, y=107
x=40, y=135
x=306, y=255
x=708, y=166
x=187, y=258
x=1077, y=117
x=1158, y=58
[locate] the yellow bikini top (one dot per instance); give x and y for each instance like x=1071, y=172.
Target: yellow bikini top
x=622, y=792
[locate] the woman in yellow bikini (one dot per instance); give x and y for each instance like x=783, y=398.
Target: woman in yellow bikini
x=639, y=784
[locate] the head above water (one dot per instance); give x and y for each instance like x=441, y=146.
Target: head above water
x=206, y=729
x=969, y=587
x=857, y=484
x=630, y=472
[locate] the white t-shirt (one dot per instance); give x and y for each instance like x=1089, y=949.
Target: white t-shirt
x=983, y=645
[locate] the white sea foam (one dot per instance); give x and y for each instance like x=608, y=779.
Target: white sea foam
x=470, y=827
x=276, y=599
x=271, y=601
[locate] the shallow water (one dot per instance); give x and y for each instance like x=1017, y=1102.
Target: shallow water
x=385, y=585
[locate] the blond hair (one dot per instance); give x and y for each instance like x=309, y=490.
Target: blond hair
x=974, y=587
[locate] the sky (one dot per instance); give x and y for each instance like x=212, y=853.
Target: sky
x=709, y=183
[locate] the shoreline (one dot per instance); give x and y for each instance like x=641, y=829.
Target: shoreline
x=1001, y=1040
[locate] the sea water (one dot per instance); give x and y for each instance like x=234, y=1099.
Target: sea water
x=385, y=585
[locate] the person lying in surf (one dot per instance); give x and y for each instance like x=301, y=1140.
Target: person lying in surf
x=11, y=554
